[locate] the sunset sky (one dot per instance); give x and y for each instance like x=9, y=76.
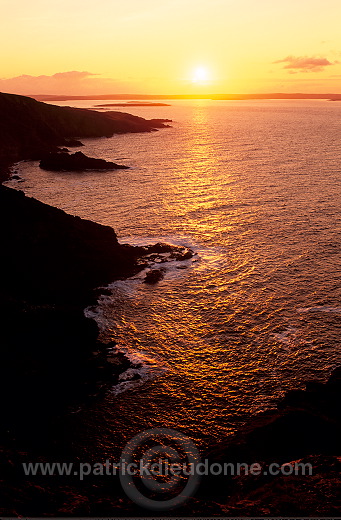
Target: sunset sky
x=170, y=46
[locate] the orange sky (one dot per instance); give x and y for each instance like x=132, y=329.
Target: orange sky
x=170, y=46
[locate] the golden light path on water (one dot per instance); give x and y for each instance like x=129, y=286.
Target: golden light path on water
x=254, y=189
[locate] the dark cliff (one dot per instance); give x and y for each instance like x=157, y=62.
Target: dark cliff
x=49, y=255
x=50, y=264
x=30, y=128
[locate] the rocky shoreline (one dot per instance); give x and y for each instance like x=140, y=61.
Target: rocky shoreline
x=30, y=129
x=52, y=263
x=50, y=357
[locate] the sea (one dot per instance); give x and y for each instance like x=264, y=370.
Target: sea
x=253, y=187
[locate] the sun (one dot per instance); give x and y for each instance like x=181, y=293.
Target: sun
x=200, y=75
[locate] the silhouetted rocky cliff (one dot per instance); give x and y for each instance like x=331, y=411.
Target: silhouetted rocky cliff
x=48, y=254
x=30, y=128
x=302, y=435
x=51, y=262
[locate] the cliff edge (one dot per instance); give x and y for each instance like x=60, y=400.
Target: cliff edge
x=29, y=128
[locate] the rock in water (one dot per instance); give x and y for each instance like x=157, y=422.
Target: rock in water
x=154, y=276
x=73, y=143
x=76, y=162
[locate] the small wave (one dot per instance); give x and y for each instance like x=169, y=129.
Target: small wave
x=96, y=313
x=321, y=308
x=287, y=336
x=144, y=369
x=144, y=240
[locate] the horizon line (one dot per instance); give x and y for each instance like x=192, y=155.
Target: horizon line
x=268, y=95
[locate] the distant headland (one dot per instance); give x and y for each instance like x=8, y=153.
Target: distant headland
x=134, y=104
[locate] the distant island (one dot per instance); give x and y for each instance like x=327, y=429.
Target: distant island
x=134, y=104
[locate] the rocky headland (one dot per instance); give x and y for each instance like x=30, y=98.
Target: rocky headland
x=30, y=129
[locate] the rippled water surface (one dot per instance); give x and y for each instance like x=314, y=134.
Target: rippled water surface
x=254, y=189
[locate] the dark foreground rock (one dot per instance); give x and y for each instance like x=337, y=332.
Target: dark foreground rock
x=305, y=430
x=76, y=162
x=73, y=143
x=51, y=362
x=50, y=264
x=314, y=491
x=286, y=433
